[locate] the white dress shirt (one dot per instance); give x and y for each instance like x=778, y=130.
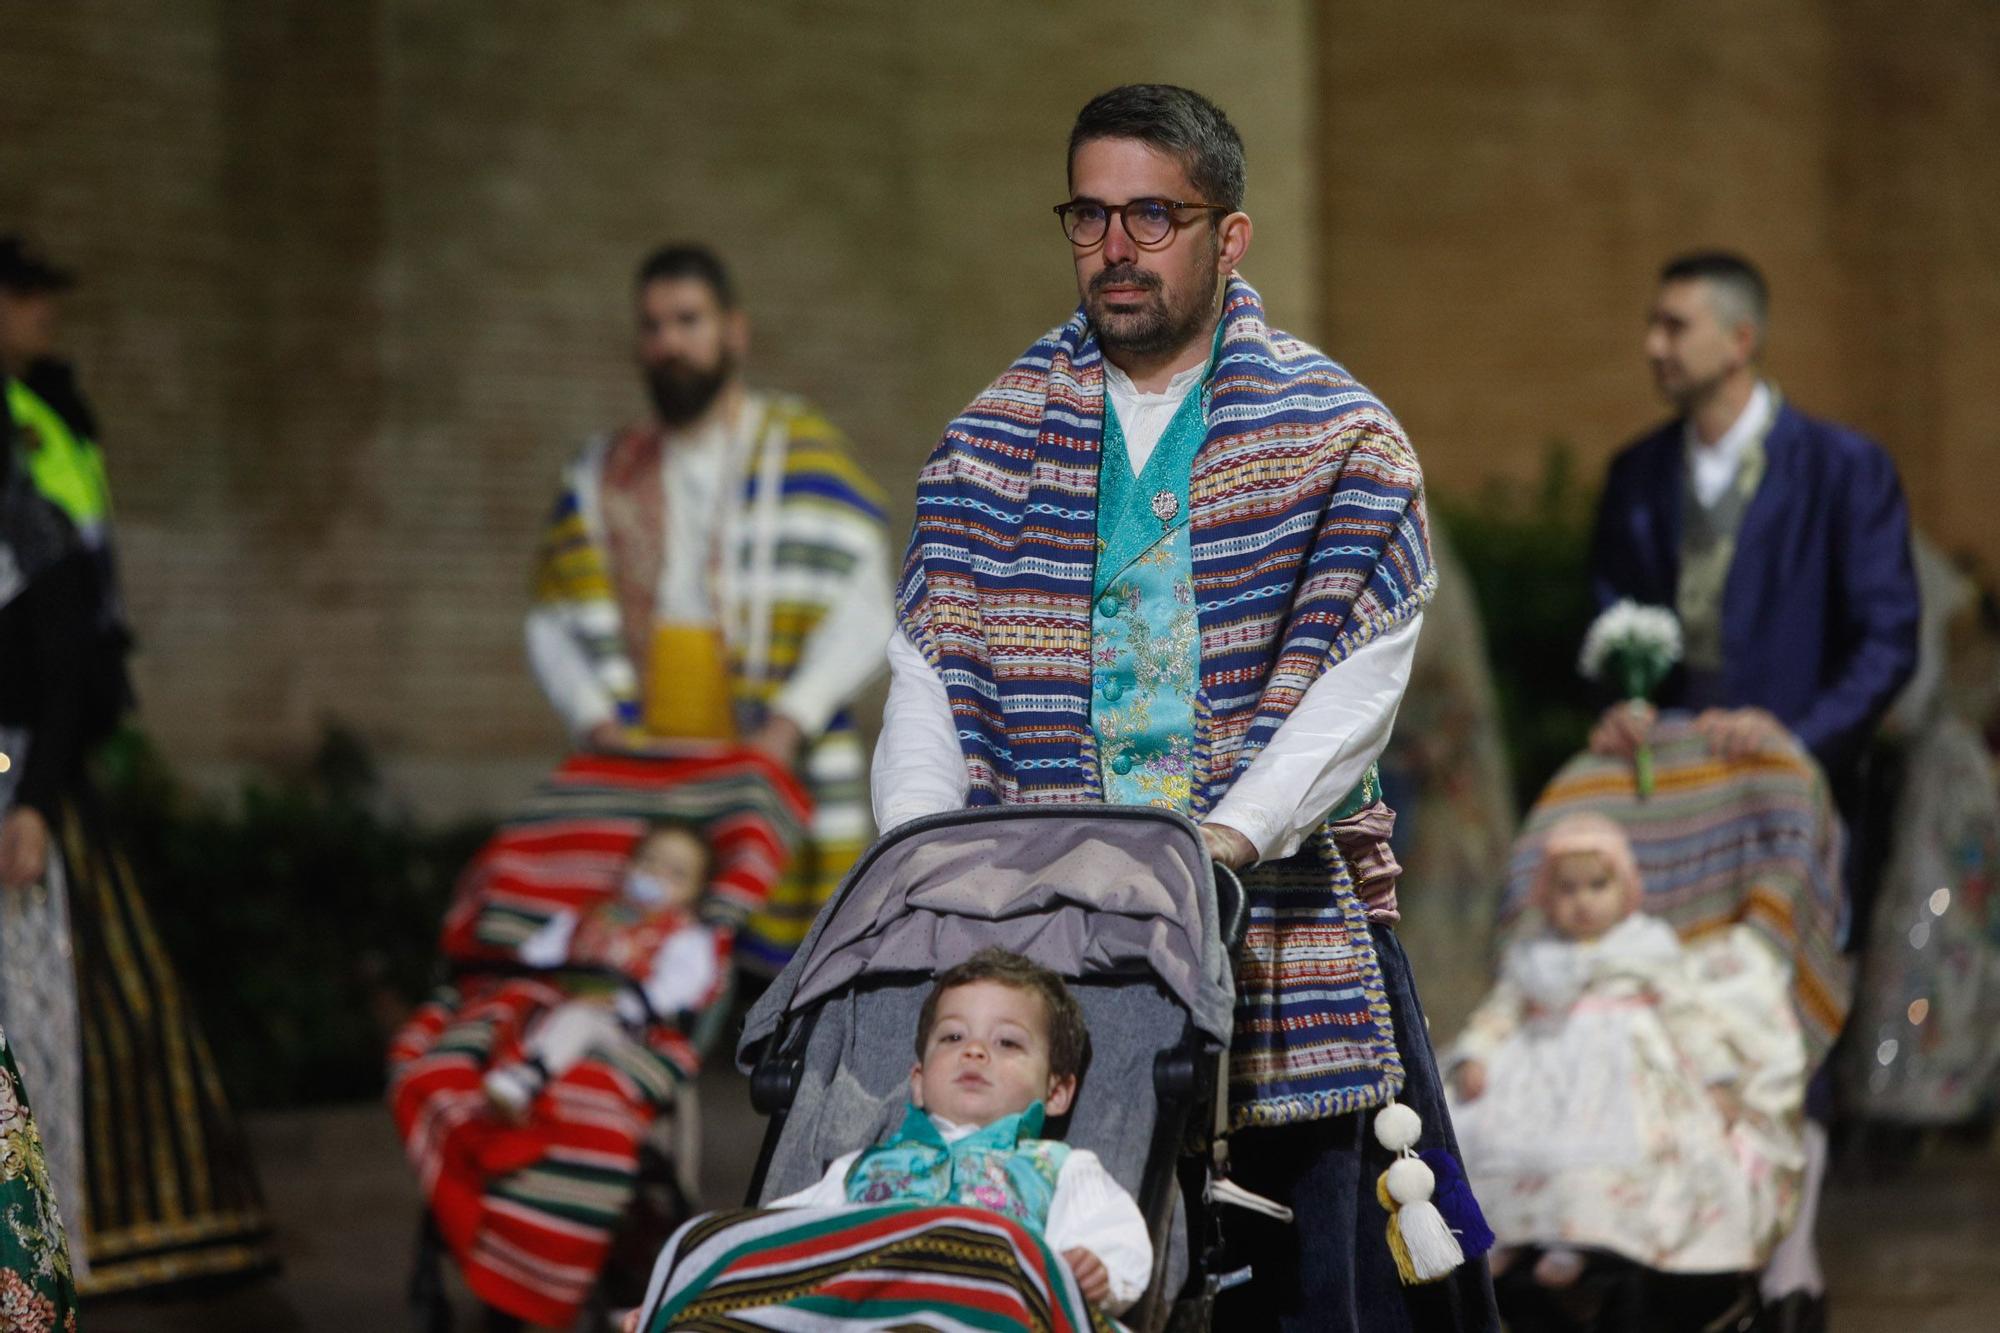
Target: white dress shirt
x=1712, y=467
x=1317, y=755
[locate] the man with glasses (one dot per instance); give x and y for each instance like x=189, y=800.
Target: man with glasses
x=1174, y=557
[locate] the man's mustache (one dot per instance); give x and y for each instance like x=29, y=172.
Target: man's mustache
x=1124, y=275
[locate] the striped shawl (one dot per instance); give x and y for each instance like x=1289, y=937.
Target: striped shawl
x=1309, y=540
x=811, y=518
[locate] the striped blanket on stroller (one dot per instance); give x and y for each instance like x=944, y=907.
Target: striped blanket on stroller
x=530, y=1211
x=880, y=1267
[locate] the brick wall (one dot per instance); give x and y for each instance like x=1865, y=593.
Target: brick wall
x=356, y=274
x=1503, y=185
x=357, y=283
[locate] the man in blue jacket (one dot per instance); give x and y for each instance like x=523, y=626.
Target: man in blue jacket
x=1783, y=543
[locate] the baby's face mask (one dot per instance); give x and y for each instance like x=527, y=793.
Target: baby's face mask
x=641, y=887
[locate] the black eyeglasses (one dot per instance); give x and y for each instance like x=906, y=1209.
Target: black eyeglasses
x=1147, y=221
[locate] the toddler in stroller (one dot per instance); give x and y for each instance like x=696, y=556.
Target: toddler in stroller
x=1124, y=904
x=1608, y=1035
x=651, y=960
x=1000, y=1043
x=1740, y=857
x=539, y=1210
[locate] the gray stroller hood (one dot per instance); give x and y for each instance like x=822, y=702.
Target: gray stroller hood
x=1083, y=890
x=1120, y=899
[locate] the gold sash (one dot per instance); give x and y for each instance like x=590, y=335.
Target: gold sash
x=687, y=694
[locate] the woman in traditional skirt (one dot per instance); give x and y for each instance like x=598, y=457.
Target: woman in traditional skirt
x=145, y=1157
x=37, y=1291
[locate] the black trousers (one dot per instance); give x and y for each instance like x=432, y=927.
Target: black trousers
x=1331, y=1269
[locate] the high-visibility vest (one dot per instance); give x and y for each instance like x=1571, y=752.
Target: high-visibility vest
x=65, y=467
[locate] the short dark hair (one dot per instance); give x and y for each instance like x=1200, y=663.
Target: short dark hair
x=1741, y=285
x=685, y=260
x=1176, y=121
x=1069, y=1039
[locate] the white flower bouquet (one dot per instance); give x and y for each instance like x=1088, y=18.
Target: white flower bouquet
x=1631, y=648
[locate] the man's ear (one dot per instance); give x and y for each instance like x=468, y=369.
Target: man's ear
x=1232, y=242
x=1744, y=337
x=736, y=330
x=917, y=1086
x=1062, y=1091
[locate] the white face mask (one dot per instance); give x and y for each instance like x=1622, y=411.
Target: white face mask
x=641, y=887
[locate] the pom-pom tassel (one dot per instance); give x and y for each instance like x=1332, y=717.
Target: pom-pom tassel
x=1431, y=1248
x=1456, y=1204
x=1420, y=1240
x=1397, y=1249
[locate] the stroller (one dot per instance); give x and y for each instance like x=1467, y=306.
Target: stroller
x=1124, y=902
x=560, y=1210
x=1738, y=858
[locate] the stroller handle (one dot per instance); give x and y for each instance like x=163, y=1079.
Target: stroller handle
x=1232, y=907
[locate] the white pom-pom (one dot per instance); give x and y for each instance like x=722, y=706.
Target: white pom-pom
x=1411, y=1182
x=1433, y=1250
x=1398, y=1127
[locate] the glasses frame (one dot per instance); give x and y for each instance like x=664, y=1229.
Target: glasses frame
x=1174, y=222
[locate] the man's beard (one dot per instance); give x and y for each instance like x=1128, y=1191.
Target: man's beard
x=1158, y=324
x=681, y=392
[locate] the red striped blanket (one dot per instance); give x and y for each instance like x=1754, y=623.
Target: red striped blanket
x=530, y=1211
x=881, y=1267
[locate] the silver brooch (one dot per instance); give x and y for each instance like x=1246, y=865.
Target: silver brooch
x=1165, y=505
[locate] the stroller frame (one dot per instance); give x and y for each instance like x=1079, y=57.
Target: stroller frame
x=1187, y=1076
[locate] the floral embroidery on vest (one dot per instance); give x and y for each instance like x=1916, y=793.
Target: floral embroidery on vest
x=1003, y=1168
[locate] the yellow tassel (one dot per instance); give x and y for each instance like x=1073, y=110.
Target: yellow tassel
x=1398, y=1251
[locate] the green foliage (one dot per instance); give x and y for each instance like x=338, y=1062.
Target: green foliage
x=303, y=919
x=1527, y=549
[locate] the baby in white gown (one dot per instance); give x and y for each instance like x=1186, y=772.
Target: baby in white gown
x=1595, y=1090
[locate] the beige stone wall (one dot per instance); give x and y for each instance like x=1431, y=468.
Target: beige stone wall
x=356, y=274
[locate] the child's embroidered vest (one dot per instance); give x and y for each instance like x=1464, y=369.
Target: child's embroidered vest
x=1002, y=1167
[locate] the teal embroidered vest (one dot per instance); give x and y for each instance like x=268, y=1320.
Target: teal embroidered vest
x=1003, y=1167
x=1145, y=640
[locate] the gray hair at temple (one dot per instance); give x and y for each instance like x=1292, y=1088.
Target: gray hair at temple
x=1734, y=283
x=685, y=260
x=1178, y=122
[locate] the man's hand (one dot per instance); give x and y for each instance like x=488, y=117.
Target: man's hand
x=1738, y=733
x=1470, y=1080
x=608, y=738
x=778, y=740
x=1228, y=846
x=1623, y=729
x=1090, y=1274
x=24, y=847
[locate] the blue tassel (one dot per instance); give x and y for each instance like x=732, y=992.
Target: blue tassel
x=1453, y=1197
